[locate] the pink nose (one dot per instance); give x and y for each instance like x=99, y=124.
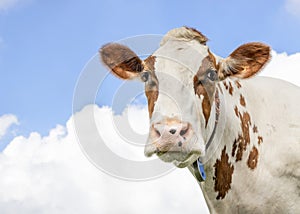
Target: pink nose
x=171, y=135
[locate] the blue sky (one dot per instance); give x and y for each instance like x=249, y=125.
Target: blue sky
x=45, y=44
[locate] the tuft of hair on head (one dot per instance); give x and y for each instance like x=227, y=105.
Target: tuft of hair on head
x=184, y=33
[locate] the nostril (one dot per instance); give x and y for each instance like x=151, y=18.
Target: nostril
x=172, y=131
x=157, y=132
x=183, y=132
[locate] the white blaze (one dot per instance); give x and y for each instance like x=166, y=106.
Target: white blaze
x=177, y=62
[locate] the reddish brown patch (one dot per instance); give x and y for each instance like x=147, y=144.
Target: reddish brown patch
x=234, y=147
x=241, y=148
x=260, y=139
x=245, y=124
x=230, y=88
x=242, y=101
x=238, y=84
x=245, y=121
x=149, y=63
x=223, y=175
x=253, y=158
x=151, y=97
x=236, y=111
x=206, y=107
x=244, y=139
x=255, y=129
x=204, y=87
x=151, y=86
x=226, y=86
x=212, y=59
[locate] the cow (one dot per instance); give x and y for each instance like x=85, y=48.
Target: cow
x=236, y=132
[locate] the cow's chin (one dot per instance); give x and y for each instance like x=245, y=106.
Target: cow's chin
x=180, y=159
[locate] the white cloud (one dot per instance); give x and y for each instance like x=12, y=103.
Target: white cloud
x=293, y=7
x=284, y=66
x=114, y=129
x=5, y=122
x=51, y=175
x=7, y=4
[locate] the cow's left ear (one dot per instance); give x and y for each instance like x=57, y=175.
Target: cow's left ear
x=245, y=61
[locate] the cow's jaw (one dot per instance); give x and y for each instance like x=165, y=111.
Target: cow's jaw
x=177, y=102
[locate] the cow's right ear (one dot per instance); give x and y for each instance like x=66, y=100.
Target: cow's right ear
x=121, y=61
x=246, y=61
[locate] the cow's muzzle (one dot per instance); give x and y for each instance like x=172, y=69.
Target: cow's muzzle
x=172, y=140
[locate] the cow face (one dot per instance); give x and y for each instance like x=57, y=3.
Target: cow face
x=180, y=85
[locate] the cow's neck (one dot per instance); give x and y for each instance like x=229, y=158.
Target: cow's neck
x=212, y=134
x=216, y=124
x=221, y=155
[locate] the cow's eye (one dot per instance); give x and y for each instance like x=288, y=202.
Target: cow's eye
x=212, y=74
x=145, y=76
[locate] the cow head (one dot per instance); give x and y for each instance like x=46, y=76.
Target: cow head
x=181, y=80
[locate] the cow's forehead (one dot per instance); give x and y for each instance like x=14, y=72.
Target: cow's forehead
x=186, y=55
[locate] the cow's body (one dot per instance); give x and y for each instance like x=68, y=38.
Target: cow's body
x=246, y=131
x=273, y=185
